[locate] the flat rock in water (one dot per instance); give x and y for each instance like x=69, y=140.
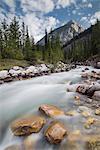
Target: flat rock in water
x=55, y=132
x=51, y=110
x=26, y=126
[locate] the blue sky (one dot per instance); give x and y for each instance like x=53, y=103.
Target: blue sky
x=41, y=14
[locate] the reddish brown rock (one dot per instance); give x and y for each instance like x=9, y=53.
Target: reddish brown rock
x=55, y=132
x=82, y=89
x=51, y=110
x=26, y=126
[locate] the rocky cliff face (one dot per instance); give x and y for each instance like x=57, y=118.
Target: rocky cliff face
x=65, y=33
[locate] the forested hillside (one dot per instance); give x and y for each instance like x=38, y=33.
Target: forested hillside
x=15, y=43
x=83, y=46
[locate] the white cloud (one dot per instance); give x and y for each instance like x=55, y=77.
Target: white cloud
x=44, y=6
x=37, y=25
x=90, y=5
x=95, y=17
x=65, y=3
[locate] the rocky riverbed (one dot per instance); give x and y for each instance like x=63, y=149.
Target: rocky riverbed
x=18, y=73
x=59, y=111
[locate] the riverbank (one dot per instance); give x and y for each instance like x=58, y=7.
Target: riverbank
x=16, y=73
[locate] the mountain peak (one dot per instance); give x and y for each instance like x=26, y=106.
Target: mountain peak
x=65, y=32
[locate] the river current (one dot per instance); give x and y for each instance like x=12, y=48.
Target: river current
x=24, y=97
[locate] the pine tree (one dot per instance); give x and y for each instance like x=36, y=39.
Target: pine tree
x=96, y=38
x=23, y=36
x=29, y=53
x=1, y=43
x=46, y=46
x=14, y=40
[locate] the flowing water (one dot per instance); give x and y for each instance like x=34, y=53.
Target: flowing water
x=24, y=97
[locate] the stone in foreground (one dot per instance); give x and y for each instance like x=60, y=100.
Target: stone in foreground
x=26, y=126
x=55, y=132
x=50, y=110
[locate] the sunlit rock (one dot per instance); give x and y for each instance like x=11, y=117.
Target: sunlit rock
x=43, y=68
x=15, y=73
x=4, y=74
x=31, y=69
x=90, y=121
x=97, y=111
x=17, y=68
x=92, y=142
x=26, y=126
x=50, y=110
x=55, y=132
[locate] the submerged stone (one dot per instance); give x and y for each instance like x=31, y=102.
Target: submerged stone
x=89, y=122
x=71, y=113
x=51, y=110
x=26, y=126
x=97, y=111
x=55, y=132
x=14, y=147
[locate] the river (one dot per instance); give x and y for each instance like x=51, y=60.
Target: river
x=24, y=97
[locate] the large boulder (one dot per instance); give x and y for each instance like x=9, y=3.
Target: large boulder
x=15, y=73
x=17, y=68
x=96, y=95
x=92, y=89
x=82, y=88
x=50, y=110
x=32, y=69
x=4, y=74
x=88, y=89
x=98, y=65
x=26, y=126
x=44, y=68
x=55, y=132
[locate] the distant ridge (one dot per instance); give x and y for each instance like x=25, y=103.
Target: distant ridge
x=65, y=32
